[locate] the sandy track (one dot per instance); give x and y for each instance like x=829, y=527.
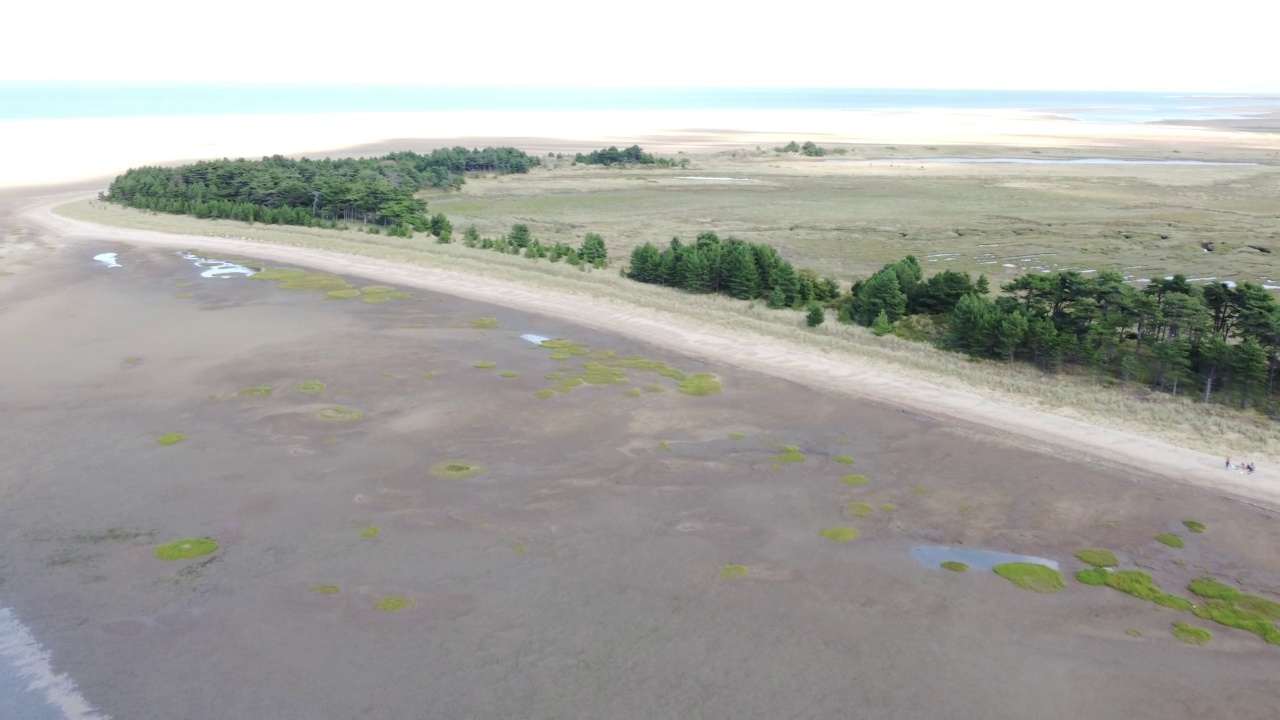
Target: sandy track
x=748, y=351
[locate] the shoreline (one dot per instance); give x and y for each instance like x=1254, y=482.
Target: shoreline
x=743, y=350
x=49, y=152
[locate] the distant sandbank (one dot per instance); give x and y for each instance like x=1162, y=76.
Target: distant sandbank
x=42, y=152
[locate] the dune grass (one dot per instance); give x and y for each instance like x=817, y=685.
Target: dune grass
x=1191, y=634
x=1030, y=576
x=456, y=469
x=186, y=549
x=544, y=394
x=170, y=439
x=343, y=294
x=1098, y=557
x=1171, y=540
x=839, y=534
x=1174, y=419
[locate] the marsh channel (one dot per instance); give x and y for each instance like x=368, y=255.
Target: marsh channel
x=419, y=511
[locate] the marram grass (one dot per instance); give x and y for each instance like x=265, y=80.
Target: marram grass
x=186, y=549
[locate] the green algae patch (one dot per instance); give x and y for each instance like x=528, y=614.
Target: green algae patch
x=484, y=364
x=325, y=589
x=858, y=510
x=508, y=374
x=377, y=289
x=1229, y=606
x=854, y=480
x=456, y=469
x=544, y=394
x=1133, y=632
x=1191, y=634
x=1139, y=585
x=295, y=279
x=381, y=297
x=728, y=572
x=700, y=384
x=1193, y=526
x=920, y=490
x=183, y=296
x=484, y=323
x=554, y=376
x=255, y=391
x=633, y=393
x=1098, y=557
x=370, y=532
x=346, y=294
x=311, y=387
x=391, y=603
x=559, y=356
x=954, y=566
x=737, y=436
x=889, y=508
x=170, y=438
x=842, y=459
x=1212, y=589
x=600, y=374
x=186, y=549
x=339, y=413
x=601, y=354
x=1095, y=576
x=839, y=534
x=1030, y=576
x=1171, y=540
x=788, y=457
x=519, y=548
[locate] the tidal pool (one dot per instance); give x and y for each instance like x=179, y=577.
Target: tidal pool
x=218, y=268
x=975, y=558
x=108, y=259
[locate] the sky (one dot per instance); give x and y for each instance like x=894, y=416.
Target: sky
x=1224, y=46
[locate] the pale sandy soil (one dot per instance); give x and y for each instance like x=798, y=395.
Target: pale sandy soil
x=825, y=372
x=53, y=151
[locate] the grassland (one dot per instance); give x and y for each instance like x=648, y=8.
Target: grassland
x=847, y=219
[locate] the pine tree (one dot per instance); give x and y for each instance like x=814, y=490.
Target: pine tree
x=881, y=325
x=816, y=315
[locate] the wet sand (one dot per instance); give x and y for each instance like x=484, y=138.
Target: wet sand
x=578, y=575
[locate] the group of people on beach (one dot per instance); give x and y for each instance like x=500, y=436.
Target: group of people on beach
x=1247, y=467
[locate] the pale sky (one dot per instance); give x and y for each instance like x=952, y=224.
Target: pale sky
x=1218, y=46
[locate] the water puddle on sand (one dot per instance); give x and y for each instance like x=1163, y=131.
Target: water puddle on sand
x=29, y=688
x=535, y=339
x=108, y=259
x=1040, y=161
x=975, y=558
x=218, y=268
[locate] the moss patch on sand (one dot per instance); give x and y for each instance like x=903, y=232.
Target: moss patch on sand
x=391, y=603
x=255, y=391
x=311, y=387
x=1095, y=576
x=1191, y=634
x=1133, y=632
x=1140, y=585
x=1171, y=540
x=1030, y=576
x=484, y=323
x=554, y=376
x=1098, y=557
x=733, y=571
x=186, y=549
x=599, y=374
x=1193, y=526
x=325, y=589
x=854, y=480
x=889, y=508
x=633, y=393
x=345, y=294
x=788, y=457
x=954, y=566
x=839, y=534
x=295, y=279
x=170, y=438
x=737, y=436
x=183, y=296
x=456, y=469
x=858, y=510
x=1229, y=606
x=370, y=532
x=338, y=413
x=484, y=364
x=700, y=384
x=842, y=459
x=544, y=394
x=508, y=374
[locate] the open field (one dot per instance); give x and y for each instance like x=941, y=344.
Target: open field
x=401, y=528
x=847, y=219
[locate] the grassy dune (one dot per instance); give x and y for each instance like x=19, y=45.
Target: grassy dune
x=848, y=223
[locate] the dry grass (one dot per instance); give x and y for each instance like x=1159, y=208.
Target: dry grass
x=1213, y=429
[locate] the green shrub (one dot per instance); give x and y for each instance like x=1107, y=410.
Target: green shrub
x=260, y=390
x=1030, y=576
x=1098, y=557
x=339, y=413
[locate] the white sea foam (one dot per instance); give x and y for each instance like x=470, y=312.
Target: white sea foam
x=218, y=268
x=535, y=339
x=108, y=259
x=30, y=662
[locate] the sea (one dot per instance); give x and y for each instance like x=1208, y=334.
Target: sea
x=48, y=101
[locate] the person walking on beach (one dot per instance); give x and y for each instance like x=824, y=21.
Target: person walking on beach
x=1228, y=463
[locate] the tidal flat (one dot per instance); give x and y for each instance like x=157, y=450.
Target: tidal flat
x=582, y=572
